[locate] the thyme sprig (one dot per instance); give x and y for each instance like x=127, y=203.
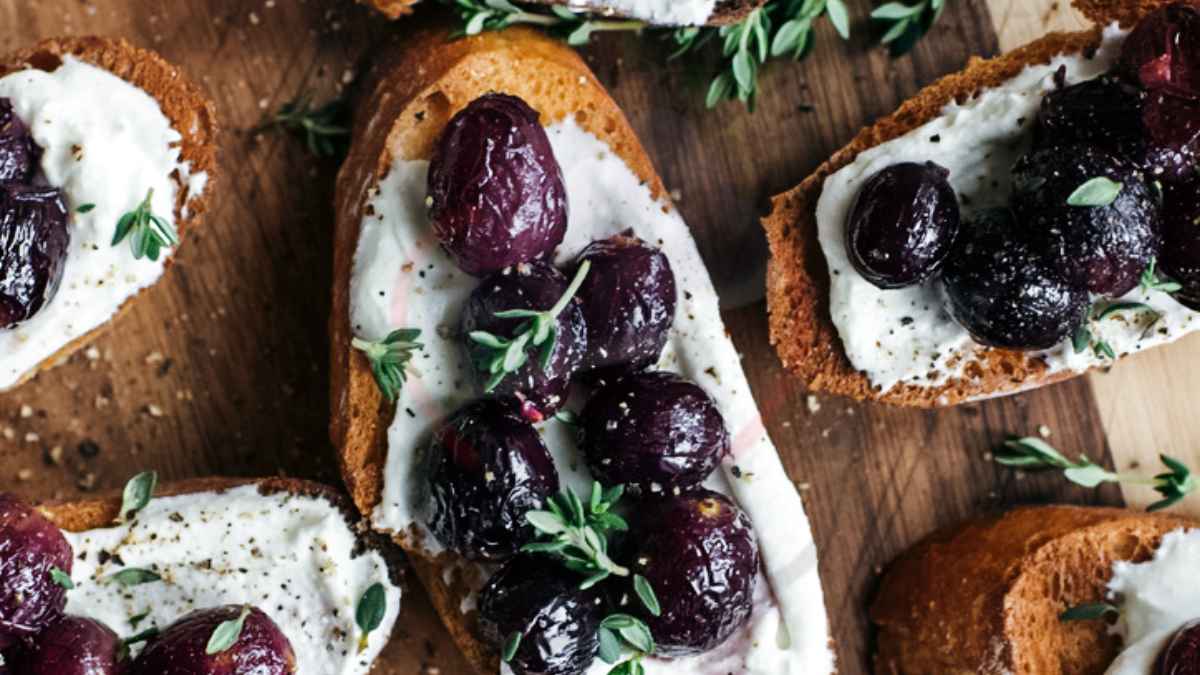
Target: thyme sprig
x=1085, y=335
x=1035, y=454
x=905, y=24
x=574, y=27
x=500, y=356
x=577, y=533
x=148, y=233
x=389, y=359
x=322, y=126
x=1151, y=281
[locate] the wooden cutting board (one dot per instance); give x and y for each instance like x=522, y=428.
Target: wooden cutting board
x=222, y=368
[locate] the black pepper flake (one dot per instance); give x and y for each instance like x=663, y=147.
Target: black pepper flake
x=89, y=449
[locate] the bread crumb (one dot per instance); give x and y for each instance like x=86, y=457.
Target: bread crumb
x=154, y=411
x=814, y=404
x=25, y=474
x=32, y=437
x=26, y=412
x=1044, y=431
x=154, y=357
x=87, y=481
x=92, y=354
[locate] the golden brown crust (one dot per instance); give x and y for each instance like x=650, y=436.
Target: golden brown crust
x=414, y=88
x=985, y=597
x=798, y=278
x=189, y=110
x=727, y=11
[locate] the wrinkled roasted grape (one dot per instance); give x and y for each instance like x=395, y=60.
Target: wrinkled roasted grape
x=541, y=384
x=653, y=431
x=1105, y=247
x=31, y=547
x=700, y=555
x=74, y=646
x=538, y=598
x=180, y=649
x=1180, y=258
x=496, y=191
x=629, y=302
x=19, y=154
x=1172, y=137
x=487, y=467
x=33, y=249
x=1163, y=52
x=1004, y=292
x=1181, y=656
x=902, y=225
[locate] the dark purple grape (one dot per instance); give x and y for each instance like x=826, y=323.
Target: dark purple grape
x=541, y=384
x=74, y=646
x=33, y=249
x=487, y=468
x=496, y=192
x=1163, y=52
x=1172, y=137
x=629, y=303
x=260, y=648
x=656, y=432
x=1103, y=247
x=19, y=154
x=31, y=549
x=1004, y=292
x=902, y=225
x=1181, y=656
x=1180, y=258
x=538, y=598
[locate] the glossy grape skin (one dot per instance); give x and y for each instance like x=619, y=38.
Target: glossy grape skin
x=33, y=249
x=1172, y=137
x=1180, y=258
x=902, y=225
x=180, y=649
x=496, y=192
x=533, y=286
x=700, y=555
x=653, y=431
x=30, y=548
x=629, y=299
x=1103, y=248
x=539, y=598
x=74, y=646
x=1004, y=293
x=486, y=468
x=1181, y=656
x=19, y=154
x=1162, y=53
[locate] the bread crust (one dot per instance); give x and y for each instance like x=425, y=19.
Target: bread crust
x=413, y=90
x=798, y=277
x=184, y=104
x=985, y=597
x=726, y=12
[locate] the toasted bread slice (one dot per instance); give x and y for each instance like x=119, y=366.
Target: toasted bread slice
x=986, y=597
x=184, y=104
x=726, y=11
x=798, y=286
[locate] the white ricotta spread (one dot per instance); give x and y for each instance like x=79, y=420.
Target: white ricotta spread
x=106, y=143
x=402, y=278
x=669, y=12
x=1157, y=598
x=905, y=336
x=288, y=555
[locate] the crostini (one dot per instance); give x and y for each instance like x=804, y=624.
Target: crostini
x=107, y=153
x=1027, y=593
x=205, y=576
x=658, y=12
x=1012, y=225
x=504, y=253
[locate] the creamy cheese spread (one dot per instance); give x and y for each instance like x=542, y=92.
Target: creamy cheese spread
x=905, y=336
x=106, y=143
x=670, y=12
x=402, y=278
x=1157, y=598
x=291, y=556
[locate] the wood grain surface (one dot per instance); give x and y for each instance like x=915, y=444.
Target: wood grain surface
x=221, y=369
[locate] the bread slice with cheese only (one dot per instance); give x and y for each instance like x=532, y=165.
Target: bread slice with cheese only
x=118, y=126
x=842, y=335
x=657, y=12
x=291, y=548
x=986, y=597
x=390, y=273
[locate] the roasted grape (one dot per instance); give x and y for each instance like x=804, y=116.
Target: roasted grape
x=34, y=559
x=74, y=646
x=19, y=154
x=1181, y=656
x=33, y=249
x=1163, y=52
x=259, y=648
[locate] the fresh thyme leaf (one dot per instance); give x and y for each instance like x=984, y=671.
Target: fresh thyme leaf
x=645, y=593
x=1081, y=339
x=499, y=357
x=389, y=359
x=143, y=636
x=227, y=633
x=1152, y=282
x=577, y=534
x=610, y=646
x=323, y=126
x=61, y=578
x=1099, y=191
x=1103, y=349
x=511, y=646
x=632, y=630
x=137, y=494
x=904, y=25
x=133, y=576
x=138, y=618
x=575, y=27
x=148, y=234
x=84, y=208
x=372, y=607
x=1088, y=612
